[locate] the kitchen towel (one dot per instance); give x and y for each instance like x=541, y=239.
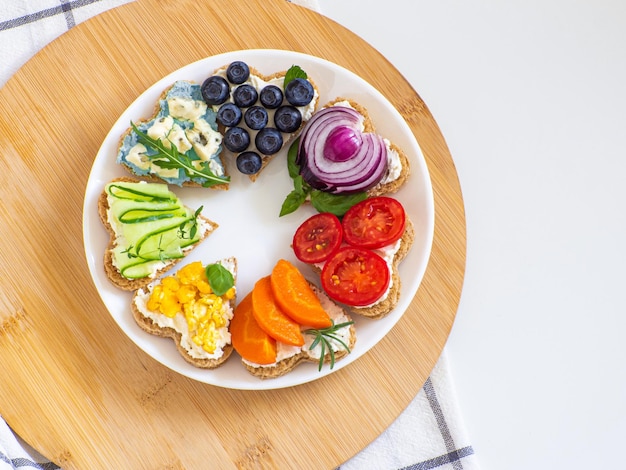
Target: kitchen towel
x=429, y=434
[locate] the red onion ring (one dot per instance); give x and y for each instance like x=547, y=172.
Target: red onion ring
x=335, y=156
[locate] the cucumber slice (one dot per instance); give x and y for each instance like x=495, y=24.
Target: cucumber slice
x=143, y=215
x=166, y=242
x=138, y=269
x=141, y=191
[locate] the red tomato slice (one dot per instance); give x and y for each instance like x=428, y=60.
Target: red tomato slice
x=317, y=238
x=374, y=223
x=355, y=276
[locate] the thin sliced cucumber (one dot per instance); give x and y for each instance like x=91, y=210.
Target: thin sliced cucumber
x=156, y=192
x=143, y=215
x=138, y=269
x=165, y=243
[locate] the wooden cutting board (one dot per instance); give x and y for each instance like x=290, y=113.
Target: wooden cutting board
x=73, y=385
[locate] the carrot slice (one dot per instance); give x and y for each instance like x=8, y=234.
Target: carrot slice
x=248, y=339
x=271, y=318
x=295, y=297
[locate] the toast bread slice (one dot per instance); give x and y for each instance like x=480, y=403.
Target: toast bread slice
x=148, y=325
x=286, y=365
x=383, y=187
x=287, y=138
x=112, y=272
x=127, y=140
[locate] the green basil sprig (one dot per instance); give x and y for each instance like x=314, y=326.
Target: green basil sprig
x=322, y=201
x=220, y=278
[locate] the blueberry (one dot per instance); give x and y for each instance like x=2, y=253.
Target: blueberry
x=229, y=115
x=287, y=119
x=271, y=96
x=237, y=72
x=256, y=117
x=245, y=95
x=249, y=163
x=215, y=90
x=299, y=92
x=268, y=141
x=236, y=139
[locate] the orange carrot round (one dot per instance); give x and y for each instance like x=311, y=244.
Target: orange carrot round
x=271, y=318
x=248, y=339
x=295, y=297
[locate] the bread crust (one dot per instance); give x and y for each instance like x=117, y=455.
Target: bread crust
x=149, y=326
x=112, y=273
x=288, y=364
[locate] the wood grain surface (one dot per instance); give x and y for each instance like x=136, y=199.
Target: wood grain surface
x=73, y=385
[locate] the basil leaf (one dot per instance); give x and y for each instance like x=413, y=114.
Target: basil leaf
x=294, y=72
x=291, y=203
x=292, y=154
x=337, y=204
x=220, y=278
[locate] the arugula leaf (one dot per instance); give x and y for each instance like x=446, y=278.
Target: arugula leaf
x=294, y=72
x=220, y=278
x=171, y=158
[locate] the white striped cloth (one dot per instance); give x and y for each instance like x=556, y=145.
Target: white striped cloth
x=429, y=434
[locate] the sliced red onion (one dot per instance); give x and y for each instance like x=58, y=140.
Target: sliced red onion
x=335, y=156
x=342, y=143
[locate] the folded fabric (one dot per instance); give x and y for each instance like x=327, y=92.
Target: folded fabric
x=429, y=434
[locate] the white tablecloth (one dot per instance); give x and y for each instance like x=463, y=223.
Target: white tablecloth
x=429, y=434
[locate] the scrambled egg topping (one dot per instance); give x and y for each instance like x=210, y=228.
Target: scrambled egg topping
x=188, y=292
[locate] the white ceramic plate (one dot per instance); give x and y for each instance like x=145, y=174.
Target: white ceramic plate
x=247, y=214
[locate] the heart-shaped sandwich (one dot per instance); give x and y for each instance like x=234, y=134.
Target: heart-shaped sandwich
x=259, y=114
x=285, y=320
x=194, y=307
x=180, y=144
x=150, y=231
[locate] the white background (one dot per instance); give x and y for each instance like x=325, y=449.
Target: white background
x=531, y=98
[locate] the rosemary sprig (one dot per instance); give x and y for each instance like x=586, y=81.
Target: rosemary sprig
x=323, y=338
x=169, y=158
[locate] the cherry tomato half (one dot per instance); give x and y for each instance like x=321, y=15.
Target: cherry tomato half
x=355, y=276
x=317, y=238
x=374, y=222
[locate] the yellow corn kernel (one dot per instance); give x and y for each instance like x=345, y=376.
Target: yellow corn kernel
x=170, y=306
x=155, y=298
x=218, y=320
x=192, y=273
x=170, y=283
x=186, y=293
x=230, y=293
x=204, y=287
